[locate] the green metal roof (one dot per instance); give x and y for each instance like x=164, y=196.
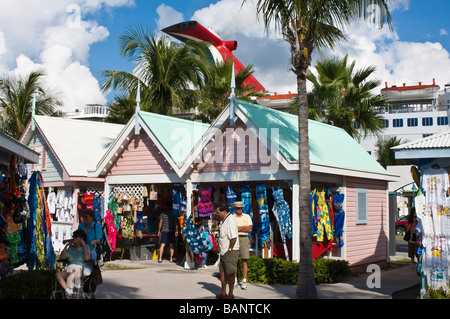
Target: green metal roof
x=328, y=145
x=177, y=136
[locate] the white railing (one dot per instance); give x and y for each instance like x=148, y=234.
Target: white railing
x=91, y=110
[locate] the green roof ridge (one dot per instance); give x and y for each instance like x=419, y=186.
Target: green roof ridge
x=164, y=126
x=336, y=149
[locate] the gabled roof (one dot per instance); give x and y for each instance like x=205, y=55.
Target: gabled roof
x=177, y=136
x=332, y=149
x=77, y=144
x=10, y=146
x=433, y=146
x=440, y=140
x=174, y=138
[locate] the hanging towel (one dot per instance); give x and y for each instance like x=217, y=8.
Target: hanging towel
x=314, y=215
x=324, y=227
x=196, y=243
x=112, y=230
x=283, y=213
x=176, y=200
x=231, y=199
x=339, y=219
x=264, y=221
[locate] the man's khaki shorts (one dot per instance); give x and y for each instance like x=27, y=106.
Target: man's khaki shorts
x=228, y=262
x=244, y=244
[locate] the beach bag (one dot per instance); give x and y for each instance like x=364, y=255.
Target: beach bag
x=144, y=191
x=153, y=193
x=206, y=239
x=215, y=245
x=97, y=275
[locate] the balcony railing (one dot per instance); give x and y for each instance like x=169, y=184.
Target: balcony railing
x=91, y=110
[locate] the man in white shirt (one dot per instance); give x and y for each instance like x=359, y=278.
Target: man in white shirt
x=229, y=250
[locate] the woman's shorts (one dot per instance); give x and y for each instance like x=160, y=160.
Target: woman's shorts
x=77, y=268
x=228, y=262
x=167, y=237
x=244, y=247
x=412, y=250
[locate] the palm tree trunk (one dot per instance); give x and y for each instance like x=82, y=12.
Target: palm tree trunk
x=306, y=286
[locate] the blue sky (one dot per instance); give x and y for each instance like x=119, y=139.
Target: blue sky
x=74, y=40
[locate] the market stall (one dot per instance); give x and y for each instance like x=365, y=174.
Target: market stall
x=68, y=148
x=21, y=233
x=430, y=157
x=251, y=158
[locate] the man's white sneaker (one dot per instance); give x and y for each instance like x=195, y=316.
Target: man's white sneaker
x=243, y=285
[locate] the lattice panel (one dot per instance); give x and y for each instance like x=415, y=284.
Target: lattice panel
x=93, y=189
x=131, y=189
x=67, y=189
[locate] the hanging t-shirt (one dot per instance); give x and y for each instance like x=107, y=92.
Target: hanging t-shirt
x=435, y=183
x=51, y=202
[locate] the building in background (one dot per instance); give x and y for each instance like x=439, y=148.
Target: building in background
x=414, y=112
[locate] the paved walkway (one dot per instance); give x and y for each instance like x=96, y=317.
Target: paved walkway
x=171, y=281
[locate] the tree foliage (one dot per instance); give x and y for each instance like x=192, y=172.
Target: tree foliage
x=16, y=101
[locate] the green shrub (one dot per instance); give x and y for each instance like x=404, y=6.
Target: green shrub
x=256, y=270
x=440, y=293
x=28, y=284
x=329, y=270
x=283, y=272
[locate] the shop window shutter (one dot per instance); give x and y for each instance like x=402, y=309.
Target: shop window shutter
x=44, y=159
x=361, y=206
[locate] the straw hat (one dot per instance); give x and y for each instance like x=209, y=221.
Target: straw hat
x=237, y=205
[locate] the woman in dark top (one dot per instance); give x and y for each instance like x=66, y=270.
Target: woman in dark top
x=412, y=243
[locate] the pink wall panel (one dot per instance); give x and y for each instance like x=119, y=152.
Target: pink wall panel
x=140, y=156
x=241, y=151
x=367, y=243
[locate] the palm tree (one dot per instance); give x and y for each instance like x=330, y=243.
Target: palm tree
x=216, y=93
x=169, y=73
x=306, y=25
x=16, y=101
x=342, y=96
x=122, y=109
x=385, y=155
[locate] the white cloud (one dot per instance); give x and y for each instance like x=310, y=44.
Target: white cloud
x=230, y=17
x=443, y=32
x=78, y=40
x=397, y=61
x=55, y=36
x=167, y=16
x=268, y=53
x=402, y=5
